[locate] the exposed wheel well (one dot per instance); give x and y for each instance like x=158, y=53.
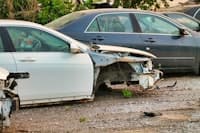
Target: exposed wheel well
x=117, y=72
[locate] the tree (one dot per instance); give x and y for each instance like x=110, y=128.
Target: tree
x=142, y=4
x=44, y=11
x=19, y=9
x=52, y=9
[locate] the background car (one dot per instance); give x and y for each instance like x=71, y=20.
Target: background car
x=194, y=12
x=184, y=19
x=176, y=47
x=62, y=68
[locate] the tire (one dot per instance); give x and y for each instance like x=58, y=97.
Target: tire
x=1, y=117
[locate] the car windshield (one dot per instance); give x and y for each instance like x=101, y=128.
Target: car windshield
x=185, y=20
x=60, y=22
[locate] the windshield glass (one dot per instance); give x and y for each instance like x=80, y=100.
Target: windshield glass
x=185, y=20
x=60, y=22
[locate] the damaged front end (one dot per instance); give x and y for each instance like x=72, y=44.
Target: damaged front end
x=116, y=65
x=9, y=100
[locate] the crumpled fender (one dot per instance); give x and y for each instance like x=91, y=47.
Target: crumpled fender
x=125, y=50
x=102, y=59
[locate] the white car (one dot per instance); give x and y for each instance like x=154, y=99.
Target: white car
x=62, y=68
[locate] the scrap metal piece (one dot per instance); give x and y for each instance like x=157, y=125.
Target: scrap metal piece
x=113, y=63
x=152, y=114
x=173, y=85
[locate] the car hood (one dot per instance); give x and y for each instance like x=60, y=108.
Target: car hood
x=125, y=50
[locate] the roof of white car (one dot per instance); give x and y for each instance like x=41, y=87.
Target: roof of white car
x=17, y=22
x=21, y=23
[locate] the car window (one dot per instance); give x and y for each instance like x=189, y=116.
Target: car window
x=154, y=24
x=198, y=15
x=111, y=23
x=185, y=20
x=93, y=27
x=64, y=20
x=1, y=45
x=29, y=39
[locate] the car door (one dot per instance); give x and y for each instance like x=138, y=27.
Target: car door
x=55, y=73
x=112, y=29
x=162, y=38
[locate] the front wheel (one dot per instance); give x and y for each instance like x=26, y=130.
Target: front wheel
x=1, y=116
x=5, y=112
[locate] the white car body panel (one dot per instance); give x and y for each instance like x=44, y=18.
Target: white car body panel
x=7, y=61
x=54, y=75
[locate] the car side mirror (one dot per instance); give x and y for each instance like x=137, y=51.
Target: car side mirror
x=75, y=50
x=183, y=32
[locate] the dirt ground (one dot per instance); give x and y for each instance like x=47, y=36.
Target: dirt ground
x=177, y=110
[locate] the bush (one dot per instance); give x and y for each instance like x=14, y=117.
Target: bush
x=3, y=9
x=52, y=9
x=127, y=93
x=18, y=9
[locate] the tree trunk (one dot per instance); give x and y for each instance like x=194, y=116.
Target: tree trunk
x=10, y=7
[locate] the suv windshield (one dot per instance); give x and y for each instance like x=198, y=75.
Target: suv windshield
x=60, y=22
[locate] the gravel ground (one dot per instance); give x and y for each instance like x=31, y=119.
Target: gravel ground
x=177, y=110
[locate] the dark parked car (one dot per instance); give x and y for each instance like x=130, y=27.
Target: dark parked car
x=184, y=19
x=177, y=47
x=194, y=12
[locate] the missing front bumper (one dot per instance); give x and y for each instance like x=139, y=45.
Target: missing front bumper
x=148, y=80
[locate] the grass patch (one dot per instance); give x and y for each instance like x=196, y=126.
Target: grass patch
x=82, y=119
x=127, y=93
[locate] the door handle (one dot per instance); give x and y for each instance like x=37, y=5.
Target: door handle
x=98, y=38
x=150, y=40
x=27, y=60
x=93, y=39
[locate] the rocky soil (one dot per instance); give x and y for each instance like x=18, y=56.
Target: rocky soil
x=169, y=110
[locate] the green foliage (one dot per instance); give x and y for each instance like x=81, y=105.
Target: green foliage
x=88, y=4
x=18, y=9
x=67, y=108
x=82, y=119
x=52, y=9
x=20, y=4
x=142, y=4
x=127, y=93
x=3, y=9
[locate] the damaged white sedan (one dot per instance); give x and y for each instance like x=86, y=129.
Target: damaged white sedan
x=62, y=68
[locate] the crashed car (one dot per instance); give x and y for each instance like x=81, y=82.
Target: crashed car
x=62, y=68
